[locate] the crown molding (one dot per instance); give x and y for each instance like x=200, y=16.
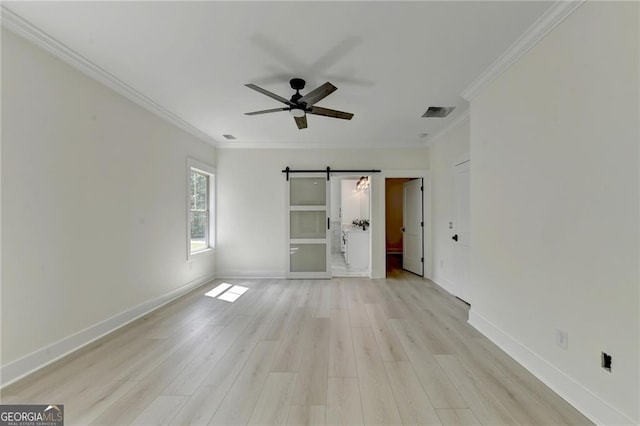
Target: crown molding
x=319, y=145
x=536, y=32
x=29, y=32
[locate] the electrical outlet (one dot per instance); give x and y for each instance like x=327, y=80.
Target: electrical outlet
x=606, y=361
x=562, y=339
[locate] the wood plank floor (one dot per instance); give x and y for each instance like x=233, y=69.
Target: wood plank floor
x=344, y=351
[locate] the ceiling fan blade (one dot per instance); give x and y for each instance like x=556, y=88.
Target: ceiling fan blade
x=269, y=94
x=319, y=93
x=330, y=113
x=266, y=111
x=301, y=121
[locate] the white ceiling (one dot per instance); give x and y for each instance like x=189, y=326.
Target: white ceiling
x=389, y=60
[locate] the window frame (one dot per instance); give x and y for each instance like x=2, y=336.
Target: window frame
x=194, y=165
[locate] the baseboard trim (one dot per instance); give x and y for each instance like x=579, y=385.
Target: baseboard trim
x=243, y=274
x=29, y=364
x=443, y=283
x=585, y=401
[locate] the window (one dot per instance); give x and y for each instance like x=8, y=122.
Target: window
x=199, y=214
x=201, y=224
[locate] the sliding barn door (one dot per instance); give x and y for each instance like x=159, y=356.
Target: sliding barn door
x=308, y=226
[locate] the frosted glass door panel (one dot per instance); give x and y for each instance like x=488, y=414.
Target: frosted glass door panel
x=308, y=224
x=308, y=257
x=308, y=191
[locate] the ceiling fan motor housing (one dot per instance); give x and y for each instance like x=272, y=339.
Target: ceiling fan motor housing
x=297, y=83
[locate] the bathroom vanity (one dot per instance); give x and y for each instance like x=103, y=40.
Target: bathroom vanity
x=355, y=246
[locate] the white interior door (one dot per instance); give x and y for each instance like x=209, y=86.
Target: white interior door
x=462, y=230
x=412, y=224
x=309, y=243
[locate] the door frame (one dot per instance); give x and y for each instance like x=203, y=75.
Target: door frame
x=460, y=290
x=347, y=175
x=379, y=252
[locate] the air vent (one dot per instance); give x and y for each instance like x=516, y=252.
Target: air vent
x=229, y=137
x=438, y=112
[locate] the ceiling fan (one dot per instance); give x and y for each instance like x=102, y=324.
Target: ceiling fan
x=299, y=106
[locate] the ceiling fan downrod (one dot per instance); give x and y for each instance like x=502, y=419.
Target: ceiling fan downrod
x=297, y=84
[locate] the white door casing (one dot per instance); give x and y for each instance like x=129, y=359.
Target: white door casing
x=461, y=237
x=412, y=226
x=308, y=238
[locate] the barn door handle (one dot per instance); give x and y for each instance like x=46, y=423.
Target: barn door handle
x=455, y=237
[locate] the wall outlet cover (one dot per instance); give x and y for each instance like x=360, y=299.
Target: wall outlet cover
x=606, y=361
x=562, y=339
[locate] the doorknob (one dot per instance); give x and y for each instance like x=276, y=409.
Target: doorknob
x=455, y=237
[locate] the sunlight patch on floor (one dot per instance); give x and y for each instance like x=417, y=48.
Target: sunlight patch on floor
x=227, y=292
x=218, y=290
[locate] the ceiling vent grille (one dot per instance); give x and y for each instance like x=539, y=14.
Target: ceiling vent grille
x=229, y=137
x=438, y=112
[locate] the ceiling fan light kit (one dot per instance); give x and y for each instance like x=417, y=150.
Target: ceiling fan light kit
x=297, y=112
x=300, y=105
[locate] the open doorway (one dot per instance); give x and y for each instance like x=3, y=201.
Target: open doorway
x=350, y=226
x=393, y=223
x=404, y=223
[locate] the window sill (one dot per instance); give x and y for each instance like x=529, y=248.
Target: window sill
x=199, y=252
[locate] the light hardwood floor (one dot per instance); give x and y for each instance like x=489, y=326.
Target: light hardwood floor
x=338, y=352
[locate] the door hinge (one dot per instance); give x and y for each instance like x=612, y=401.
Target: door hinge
x=422, y=188
x=422, y=224
x=422, y=259
x=328, y=223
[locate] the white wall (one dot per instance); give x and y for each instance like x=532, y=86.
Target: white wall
x=349, y=202
x=365, y=201
x=443, y=155
x=336, y=194
x=251, y=202
x=354, y=204
x=93, y=206
x=555, y=209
